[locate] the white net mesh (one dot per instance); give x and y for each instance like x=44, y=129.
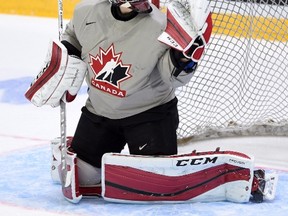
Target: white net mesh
x=241, y=84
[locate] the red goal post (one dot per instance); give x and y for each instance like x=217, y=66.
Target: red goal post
x=240, y=87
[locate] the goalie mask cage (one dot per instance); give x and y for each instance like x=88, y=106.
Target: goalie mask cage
x=241, y=84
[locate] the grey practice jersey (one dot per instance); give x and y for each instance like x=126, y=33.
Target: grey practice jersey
x=129, y=70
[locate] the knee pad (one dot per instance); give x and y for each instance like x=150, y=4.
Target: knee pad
x=88, y=174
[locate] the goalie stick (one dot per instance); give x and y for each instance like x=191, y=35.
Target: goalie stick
x=69, y=191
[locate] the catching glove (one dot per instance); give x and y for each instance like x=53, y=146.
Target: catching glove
x=189, y=27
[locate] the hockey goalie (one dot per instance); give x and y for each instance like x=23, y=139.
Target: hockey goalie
x=133, y=57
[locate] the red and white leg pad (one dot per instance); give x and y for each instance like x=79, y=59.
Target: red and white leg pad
x=73, y=187
x=195, y=177
x=70, y=184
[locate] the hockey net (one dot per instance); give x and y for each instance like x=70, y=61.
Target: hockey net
x=241, y=84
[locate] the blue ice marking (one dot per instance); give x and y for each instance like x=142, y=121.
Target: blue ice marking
x=13, y=90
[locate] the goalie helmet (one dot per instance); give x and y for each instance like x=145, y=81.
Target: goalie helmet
x=141, y=6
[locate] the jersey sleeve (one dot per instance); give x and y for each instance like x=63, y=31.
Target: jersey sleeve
x=69, y=35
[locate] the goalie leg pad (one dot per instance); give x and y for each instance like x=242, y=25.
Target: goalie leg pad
x=56, y=157
x=70, y=184
x=211, y=176
x=72, y=190
x=81, y=179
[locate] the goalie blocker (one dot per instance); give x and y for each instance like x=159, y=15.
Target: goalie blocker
x=60, y=78
x=196, y=177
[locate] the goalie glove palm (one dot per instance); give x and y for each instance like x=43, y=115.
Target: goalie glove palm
x=183, y=32
x=60, y=78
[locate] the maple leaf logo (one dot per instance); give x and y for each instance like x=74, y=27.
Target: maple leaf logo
x=109, y=71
